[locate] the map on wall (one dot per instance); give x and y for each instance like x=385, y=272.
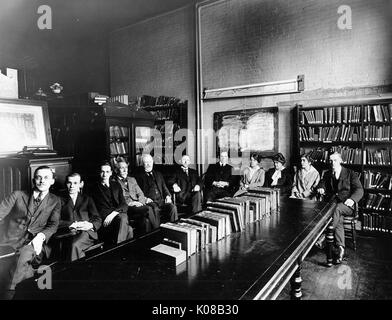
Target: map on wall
x=247, y=130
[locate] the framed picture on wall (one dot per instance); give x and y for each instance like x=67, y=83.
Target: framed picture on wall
x=23, y=123
x=242, y=132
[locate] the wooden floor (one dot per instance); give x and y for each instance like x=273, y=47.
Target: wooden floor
x=369, y=269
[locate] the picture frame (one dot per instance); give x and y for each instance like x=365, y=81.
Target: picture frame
x=24, y=124
x=246, y=131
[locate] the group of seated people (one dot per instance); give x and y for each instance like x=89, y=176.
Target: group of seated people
x=107, y=209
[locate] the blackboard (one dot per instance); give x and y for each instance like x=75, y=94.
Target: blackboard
x=246, y=131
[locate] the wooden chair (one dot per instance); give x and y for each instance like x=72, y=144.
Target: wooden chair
x=349, y=223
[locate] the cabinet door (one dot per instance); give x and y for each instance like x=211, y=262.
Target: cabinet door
x=119, y=140
x=143, y=143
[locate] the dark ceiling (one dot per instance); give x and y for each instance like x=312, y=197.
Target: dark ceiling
x=72, y=21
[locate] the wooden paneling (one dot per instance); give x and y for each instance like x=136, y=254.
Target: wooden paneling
x=17, y=173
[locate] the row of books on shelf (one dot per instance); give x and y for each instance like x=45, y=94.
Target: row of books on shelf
x=221, y=218
x=123, y=98
x=118, y=148
x=377, y=222
x=377, y=133
x=378, y=202
x=147, y=101
x=377, y=180
x=378, y=112
x=349, y=155
x=166, y=114
x=118, y=131
x=380, y=157
x=330, y=134
x=340, y=114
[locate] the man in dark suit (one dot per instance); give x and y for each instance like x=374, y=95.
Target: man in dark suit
x=143, y=214
x=28, y=220
x=219, y=179
x=187, y=185
x=344, y=184
x=79, y=215
x=154, y=188
x=111, y=205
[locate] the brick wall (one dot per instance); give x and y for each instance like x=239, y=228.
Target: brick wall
x=252, y=41
x=157, y=57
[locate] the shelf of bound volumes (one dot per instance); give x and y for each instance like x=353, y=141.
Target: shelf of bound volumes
x=362, y=134
x=171, y=115
x=220, y=219
x=119, y=141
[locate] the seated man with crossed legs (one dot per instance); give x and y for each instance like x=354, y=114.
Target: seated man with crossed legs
x=134, y=197
x=344, y=184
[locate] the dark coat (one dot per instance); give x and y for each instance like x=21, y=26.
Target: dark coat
x=142, y=180
x=216, y=172
x=284, y=183
x=84, y=210
x=184, y=181
x=17, y=212
x=107, y=205
x=348, y=187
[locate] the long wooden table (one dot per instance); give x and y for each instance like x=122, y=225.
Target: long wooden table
x=254, y=264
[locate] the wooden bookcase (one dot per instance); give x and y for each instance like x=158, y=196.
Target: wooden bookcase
x=170, y=115
x=362, y=132
x=92, y=133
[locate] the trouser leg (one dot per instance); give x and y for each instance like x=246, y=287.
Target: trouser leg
x=79, y=244
x=196, y=202
x=154, y=214
x=24, y=268
x=118, y=230
x=338, y=217
x=169, y=211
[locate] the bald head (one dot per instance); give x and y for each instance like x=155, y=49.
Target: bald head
x=185, y=161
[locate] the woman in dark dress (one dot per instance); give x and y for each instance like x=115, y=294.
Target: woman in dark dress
x=279, y=176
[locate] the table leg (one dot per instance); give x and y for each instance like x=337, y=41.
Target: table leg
x=329, y=244
x=296, y=281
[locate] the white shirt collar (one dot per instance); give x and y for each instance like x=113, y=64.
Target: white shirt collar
x=73, y=197
x=43, y=194
x=338, y=171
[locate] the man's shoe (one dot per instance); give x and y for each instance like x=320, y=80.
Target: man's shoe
x=339, y=259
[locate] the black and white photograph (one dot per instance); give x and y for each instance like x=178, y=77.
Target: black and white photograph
x=196, y=156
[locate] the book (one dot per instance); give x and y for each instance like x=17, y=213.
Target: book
x=172, y=255
x=178, y=234
x=172, y=243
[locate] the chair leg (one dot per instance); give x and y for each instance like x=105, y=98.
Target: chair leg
x=354, y=235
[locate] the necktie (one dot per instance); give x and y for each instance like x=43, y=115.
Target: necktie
x=185, y=170
x=37, y=201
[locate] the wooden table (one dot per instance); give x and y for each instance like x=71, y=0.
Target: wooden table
x=254, y=264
